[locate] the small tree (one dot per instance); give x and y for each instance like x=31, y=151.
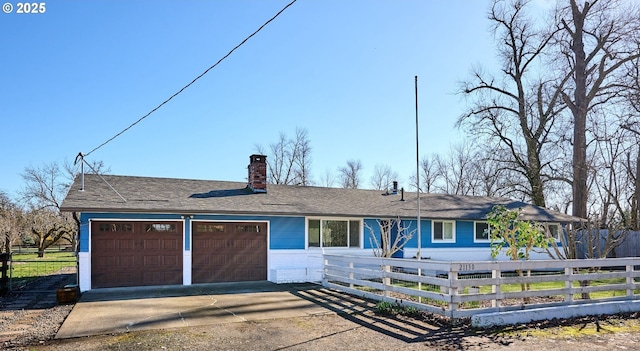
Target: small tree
x=386, y=247
x=515, y=236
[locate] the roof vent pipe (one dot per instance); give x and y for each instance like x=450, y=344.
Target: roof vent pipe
x=402, y=194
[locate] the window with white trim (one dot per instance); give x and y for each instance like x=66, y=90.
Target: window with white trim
x=553, y=230
x=481, y=231
x=443, y=231
x=333, y=232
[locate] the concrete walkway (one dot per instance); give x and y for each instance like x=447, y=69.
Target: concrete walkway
x=119, y=310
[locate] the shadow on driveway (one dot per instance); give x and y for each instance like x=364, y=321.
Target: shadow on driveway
x=112, y=311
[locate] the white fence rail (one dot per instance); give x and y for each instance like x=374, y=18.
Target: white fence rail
x=463, y=289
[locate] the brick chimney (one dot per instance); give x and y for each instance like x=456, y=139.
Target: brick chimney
x=258, y=173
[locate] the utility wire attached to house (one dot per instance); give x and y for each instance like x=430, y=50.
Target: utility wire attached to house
x=193, y=81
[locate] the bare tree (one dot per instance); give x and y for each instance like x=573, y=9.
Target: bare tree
x=47, y=227
x=456, y=171
x=598, y=39
x=383, y=177
x=11, y=222
x=302, y=147
x=467, y=169
x=632, y=124
x=632, y=167
x=493, y=179
x=429, y=173
x=386, y=244
x=612, y=184
x=517, y=109
x=289, y=160
x=44, y=189
x=327, y=180
x=350, y=175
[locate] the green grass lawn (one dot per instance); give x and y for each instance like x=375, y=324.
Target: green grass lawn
x=27, y=266
x=48, y=256
x=486, y=289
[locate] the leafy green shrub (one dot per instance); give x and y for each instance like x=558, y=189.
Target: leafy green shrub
x=384, y=307
x=391, y=309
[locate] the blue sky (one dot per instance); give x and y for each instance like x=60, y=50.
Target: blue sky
x=76, y=75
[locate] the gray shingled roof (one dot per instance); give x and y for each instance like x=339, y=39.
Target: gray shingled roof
x=186, y=196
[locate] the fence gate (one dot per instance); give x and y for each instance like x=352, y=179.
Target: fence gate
x=41, y=275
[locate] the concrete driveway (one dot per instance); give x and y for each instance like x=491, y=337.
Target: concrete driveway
x=118, y=310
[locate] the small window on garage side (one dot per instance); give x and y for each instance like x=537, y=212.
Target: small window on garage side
x=247, y=228
x=160, y=227
x=443, y=231
x=116, y=227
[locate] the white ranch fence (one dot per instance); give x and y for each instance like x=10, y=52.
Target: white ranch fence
x=463, y=289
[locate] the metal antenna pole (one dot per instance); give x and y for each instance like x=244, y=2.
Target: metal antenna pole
x=418, y=173
x=81, y=158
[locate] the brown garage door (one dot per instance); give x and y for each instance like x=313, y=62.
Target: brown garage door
x=135, y=253
x=229, y=252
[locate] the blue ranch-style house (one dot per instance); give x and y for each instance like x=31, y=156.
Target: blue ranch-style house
x=160, y=231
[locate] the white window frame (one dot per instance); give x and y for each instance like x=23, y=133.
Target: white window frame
x=360, y=234
x=443, y=240
x=557, y=225
x=475, y=234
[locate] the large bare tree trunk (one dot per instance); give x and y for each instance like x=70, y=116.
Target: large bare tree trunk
x=579, y=109
x=636, y=198
x=600, y=41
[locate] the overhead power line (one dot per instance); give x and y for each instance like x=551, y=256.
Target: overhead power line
x=193, y=81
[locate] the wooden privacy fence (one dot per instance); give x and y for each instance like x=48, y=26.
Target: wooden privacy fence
x=463, y=289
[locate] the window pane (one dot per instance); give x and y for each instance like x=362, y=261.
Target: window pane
x=314, y=233
x=160, y=227
x=246, y=228
x=482, y=231
x=554, y=231
x=437, y=230
x=334, y=233
x=354, y=233
x=448, y=231
x=116, y=227
x=209, y=228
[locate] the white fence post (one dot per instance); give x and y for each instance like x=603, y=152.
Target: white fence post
x=351, y=273
x=495, y=288
x=630, y=282
x=325, y=270
x=386, y=280
x=568, y=284
x=453, y=291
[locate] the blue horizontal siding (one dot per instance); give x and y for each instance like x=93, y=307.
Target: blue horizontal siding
x=288, y=233
x=371, y=230
x=464, y=236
